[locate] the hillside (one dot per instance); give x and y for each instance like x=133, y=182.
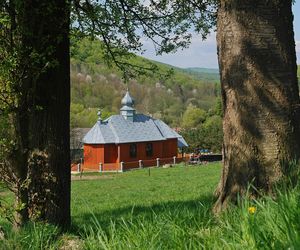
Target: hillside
x=213, y=74
x=163, y=93
x=204, y=70
x=204, y=74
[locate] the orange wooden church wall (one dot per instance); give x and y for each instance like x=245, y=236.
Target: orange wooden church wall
x=161, y=149
x=170, y=148
x=93, y=154
x=141, y=151
x=108, y=153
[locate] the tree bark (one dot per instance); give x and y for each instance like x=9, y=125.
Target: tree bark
x=257, y=60
x=42, y=120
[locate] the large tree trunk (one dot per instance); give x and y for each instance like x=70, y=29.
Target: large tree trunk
x=42, y=121
x=261, y=122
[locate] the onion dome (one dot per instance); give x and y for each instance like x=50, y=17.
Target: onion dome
x=127, y=111
x=127, y=100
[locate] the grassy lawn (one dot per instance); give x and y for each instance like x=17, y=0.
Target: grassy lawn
x=119, y=196
x=133, y=210
x=170, y=209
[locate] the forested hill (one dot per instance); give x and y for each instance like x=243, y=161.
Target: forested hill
x=204, y=74
x=164, y=94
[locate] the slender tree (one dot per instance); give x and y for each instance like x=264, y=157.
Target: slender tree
x=257, y=60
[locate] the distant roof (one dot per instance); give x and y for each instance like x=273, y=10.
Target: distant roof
x=116, y=129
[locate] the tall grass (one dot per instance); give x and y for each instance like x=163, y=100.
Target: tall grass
x=35, y=236
x=275, y=224
x=173, y=229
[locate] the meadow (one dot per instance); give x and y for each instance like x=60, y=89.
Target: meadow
x=165, y=209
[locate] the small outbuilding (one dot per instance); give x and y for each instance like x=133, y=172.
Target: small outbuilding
x=130, y=140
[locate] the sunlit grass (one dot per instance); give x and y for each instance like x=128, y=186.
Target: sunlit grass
x=136, y=193
x=170, y=209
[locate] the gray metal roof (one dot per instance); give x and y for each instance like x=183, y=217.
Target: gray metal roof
x=116, y=129
x=127, y=108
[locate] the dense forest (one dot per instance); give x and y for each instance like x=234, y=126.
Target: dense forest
x=187, y=99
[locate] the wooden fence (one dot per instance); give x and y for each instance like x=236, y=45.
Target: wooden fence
x=124, y=166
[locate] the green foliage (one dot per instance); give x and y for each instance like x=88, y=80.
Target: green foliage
x=193, y=117
x=83, y=117
x=208, y=135
x=212, y=134
x=218, y=109
x=203, y=130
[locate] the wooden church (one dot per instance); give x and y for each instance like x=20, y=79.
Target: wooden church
x=129, y=140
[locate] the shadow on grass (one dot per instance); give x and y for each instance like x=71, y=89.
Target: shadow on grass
x=198, y=209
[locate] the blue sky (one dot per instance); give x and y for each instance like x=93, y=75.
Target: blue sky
x=204, y=54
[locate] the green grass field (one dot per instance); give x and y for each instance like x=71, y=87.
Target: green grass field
x=120, y=196
x=134, y=210
x=170, y=209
